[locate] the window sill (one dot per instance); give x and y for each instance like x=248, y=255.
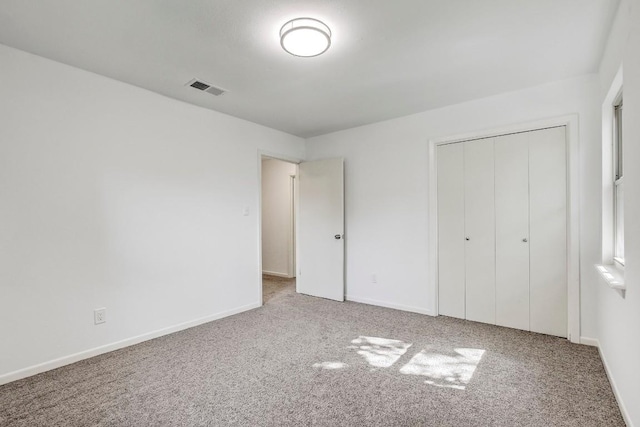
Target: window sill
x=612, y=276
x=618, y=263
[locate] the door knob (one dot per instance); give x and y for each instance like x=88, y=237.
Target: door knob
x=338, y=236
x=525, y=240
x=467, y=239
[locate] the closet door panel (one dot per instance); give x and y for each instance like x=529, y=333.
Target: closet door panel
x=548, y=212
x=512, y=231
x=451, y=274
x=480, y=230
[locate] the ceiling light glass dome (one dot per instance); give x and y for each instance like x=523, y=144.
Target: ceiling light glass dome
x=305, y=37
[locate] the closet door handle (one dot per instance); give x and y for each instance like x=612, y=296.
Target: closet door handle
x=467, y=239
x=525, y=240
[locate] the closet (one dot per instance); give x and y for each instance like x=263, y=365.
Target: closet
x=502, y=230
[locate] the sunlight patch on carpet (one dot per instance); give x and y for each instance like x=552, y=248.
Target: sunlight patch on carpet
x=445, y=369
x=330, y=365
x=380, y=352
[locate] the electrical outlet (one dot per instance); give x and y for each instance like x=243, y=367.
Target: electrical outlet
x=374, y=278
x=99, y=315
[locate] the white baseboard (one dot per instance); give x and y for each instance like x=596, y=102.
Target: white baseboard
x=86, y=354
x=614, y=387
x=389, y=305
x=589, y=341
x=274, y=273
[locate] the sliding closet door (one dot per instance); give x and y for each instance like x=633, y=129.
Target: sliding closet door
x=479, y=214
x=548, y=186
x=451, y=230
x=512, y=230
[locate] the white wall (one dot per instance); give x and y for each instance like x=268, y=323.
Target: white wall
x=386, y=174
x=113, y=196
x=277, y=217
x=619, y=314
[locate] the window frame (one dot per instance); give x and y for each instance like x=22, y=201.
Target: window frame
x=618, y=177
x=611, y=271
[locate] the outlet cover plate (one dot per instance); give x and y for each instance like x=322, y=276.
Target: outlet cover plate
x=99, y=315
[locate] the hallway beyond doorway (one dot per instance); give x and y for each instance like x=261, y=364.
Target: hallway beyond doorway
x=274, y=287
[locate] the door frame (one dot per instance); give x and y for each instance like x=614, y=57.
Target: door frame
x=293, y=188
x=289, y=159
x=571, y=122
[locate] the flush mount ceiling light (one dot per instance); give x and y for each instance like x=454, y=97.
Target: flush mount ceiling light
x=305, y=37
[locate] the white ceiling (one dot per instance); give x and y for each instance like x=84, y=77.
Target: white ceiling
x=388, y=58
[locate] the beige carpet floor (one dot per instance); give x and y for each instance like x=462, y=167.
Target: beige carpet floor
x=304, y=361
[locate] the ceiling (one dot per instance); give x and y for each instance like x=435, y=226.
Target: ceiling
x=387, y=59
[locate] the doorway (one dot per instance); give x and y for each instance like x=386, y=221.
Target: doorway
x=278, y=178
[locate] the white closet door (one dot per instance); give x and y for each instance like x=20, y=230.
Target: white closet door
x=480, y=231
x=512, y=231
x=548, y=186
x=451, y=230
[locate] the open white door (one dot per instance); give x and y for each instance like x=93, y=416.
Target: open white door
x=321, y=229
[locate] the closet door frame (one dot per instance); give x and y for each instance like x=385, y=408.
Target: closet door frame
x=573, y=209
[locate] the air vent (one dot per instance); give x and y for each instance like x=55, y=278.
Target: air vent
x=205, y=87
x=200, y=85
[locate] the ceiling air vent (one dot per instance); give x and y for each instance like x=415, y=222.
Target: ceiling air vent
x=205, y=87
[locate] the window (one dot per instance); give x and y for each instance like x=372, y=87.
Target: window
x=618, y=184
x=612, y=268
